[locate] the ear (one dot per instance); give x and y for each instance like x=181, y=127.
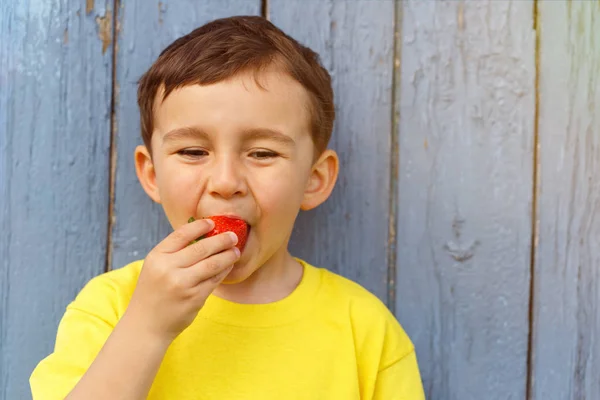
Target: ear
x=144, y=168
x=321, y=181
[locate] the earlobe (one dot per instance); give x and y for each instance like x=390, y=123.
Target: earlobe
x=321, y=181
x=144, y=168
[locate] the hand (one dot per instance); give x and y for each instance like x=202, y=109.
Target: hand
x=177, y=277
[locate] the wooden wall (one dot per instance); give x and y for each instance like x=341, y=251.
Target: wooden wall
x=469, y=195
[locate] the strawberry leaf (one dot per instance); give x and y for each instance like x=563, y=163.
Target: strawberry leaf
x=192, y=219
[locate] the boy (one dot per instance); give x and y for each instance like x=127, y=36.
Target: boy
x=236, y=117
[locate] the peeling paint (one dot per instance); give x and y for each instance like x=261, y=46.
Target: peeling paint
x=52, y=89
x=581, y=25
x=104, y=30
x=89, y=6
x=461, y=16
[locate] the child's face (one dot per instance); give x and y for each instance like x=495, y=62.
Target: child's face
x=233, y=148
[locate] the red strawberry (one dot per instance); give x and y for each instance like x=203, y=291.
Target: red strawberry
x=229, y=224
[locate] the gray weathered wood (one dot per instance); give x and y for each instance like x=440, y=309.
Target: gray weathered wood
x=566, y=331
x=466, y=135
x=349, y=233
x=144, y=31
x=55, y=91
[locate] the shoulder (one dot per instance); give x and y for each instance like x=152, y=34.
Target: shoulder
x=343, y=292
x=375, y=329
x=109, y=292
x=84, y=328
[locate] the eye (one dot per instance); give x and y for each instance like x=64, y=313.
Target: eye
x=192, y=153
x=263, y=154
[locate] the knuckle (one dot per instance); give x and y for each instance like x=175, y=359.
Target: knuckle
x=231, y=257
x=216, y=278
x=212, y=266
x=199, y=248
x=162, y=274
x=179, y=236
x=153, y=266
x=174, y=282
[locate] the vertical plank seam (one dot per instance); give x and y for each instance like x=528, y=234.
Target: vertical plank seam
x=534, y=207
x=113, y=134
x=6, y=173
x=264, y=9
x=394, y=163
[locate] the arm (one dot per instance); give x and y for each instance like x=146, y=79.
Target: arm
x=99, y=362
x=125, y=367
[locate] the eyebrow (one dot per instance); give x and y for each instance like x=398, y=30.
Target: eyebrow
x=192, y=132
x=188, y=132
x=268, y=134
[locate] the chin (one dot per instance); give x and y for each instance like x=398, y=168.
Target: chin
x=238, y=274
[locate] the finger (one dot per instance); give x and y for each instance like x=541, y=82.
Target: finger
x=211, y=268
x=205, y=248
x=207, y=287
x=184, y=235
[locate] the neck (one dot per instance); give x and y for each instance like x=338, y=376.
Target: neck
x=273, y=281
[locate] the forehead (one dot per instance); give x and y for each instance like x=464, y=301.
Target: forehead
x=269, y=99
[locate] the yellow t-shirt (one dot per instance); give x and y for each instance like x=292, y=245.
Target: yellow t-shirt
x=329, y=339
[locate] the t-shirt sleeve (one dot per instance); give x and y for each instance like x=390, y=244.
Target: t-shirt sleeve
x=400, y=381
x=388, y=368
x=84, y=328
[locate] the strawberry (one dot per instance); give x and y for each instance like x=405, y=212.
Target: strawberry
x=228, y=224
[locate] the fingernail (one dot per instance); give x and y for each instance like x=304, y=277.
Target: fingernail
x=233, y=237
x=211, y=223
x=237, y=251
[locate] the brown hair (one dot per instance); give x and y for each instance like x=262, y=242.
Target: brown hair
x=225, y=47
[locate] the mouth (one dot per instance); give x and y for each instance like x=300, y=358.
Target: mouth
x=230, y=222
x=232, y=217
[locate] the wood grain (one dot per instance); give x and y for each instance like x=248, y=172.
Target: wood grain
x=349, y=233
x=55, y=90
x=566, y=317
x=463, y=111
x=144, y=30
x=466, y=134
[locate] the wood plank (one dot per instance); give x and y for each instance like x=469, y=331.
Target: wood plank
x=466, y=136
x=144, y=32
x=566, y=332
x=55, y=95
x=349, y=233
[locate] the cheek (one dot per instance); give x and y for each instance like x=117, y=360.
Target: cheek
x=169, y=179
x=179, y=191
x=279, y=196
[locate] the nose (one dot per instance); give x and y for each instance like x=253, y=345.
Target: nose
x=226, y=178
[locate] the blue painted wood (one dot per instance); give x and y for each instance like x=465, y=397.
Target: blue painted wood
x=144, y=31
x=55, y=85
x=349, y=233
x=566, y=317
x=466, y=134
x=464, y=120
